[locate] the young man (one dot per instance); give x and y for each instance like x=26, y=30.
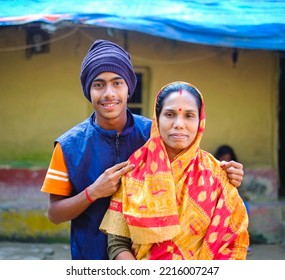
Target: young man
x=89, y=159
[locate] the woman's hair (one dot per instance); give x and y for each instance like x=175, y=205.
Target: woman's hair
x=174, y=87
x=225, y=149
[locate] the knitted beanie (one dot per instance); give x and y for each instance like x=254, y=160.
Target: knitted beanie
x=105, y=56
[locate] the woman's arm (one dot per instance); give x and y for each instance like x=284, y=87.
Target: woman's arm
x=119, y=248
x=125, y=256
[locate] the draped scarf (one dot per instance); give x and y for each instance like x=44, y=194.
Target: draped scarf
x=179, y=209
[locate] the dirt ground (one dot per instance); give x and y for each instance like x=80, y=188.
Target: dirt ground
x=34, y=251
x=41, y=251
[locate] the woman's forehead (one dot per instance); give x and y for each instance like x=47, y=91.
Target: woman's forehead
x=182, y=97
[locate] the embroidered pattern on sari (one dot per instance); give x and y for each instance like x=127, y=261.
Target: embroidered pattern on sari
x=183, y=209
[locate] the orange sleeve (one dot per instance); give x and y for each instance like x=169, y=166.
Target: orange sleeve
x=57, y=178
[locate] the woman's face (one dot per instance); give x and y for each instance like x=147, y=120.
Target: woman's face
x=178, y=122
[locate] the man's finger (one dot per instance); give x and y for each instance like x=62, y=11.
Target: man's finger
x=236, y=183
x=118, y=166
x=126, y=169
x=232, y=163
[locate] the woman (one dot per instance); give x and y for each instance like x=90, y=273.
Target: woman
x=227, y=153
x=177, y=203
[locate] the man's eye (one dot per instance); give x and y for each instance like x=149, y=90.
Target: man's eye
x=118, y=83
x=96, y=85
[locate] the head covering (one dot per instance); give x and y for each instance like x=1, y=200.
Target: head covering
x=179, y=209
x=150, y=203
x=106, y=56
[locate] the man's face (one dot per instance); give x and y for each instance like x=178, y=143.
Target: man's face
x=109, y=95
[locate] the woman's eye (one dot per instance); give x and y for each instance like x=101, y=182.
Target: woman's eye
x=169, y=114
x=190, y=116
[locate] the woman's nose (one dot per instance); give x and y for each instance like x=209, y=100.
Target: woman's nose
x=178, y=123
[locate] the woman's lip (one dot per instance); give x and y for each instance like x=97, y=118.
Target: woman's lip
x=178, y=136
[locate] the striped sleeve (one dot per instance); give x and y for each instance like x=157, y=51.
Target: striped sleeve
x=57, y=180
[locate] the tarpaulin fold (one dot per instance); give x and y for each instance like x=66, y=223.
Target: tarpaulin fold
x=254, y=24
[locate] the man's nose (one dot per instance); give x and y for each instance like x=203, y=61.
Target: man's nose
x=109, y=91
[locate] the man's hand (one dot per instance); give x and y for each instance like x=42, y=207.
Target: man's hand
x=109, y=182
x=64, y=208
x=234, y=171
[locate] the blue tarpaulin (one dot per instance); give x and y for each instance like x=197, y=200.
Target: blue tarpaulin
x=254, y=24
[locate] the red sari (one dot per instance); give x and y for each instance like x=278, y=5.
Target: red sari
x=181, y=209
